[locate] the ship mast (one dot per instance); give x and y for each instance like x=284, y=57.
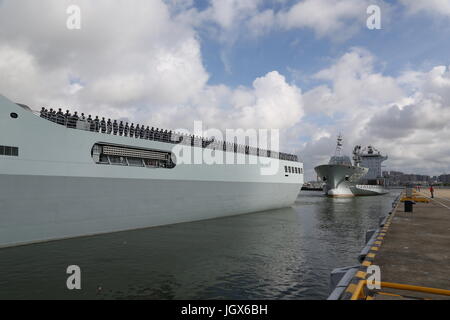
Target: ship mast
x=339, y=145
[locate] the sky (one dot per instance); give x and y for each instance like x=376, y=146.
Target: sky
x=310, y=68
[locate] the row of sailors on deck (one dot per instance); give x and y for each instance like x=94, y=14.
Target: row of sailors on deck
x=96, y=125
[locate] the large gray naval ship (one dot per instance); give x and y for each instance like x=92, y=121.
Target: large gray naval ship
x=63, y=176
x=342, y=178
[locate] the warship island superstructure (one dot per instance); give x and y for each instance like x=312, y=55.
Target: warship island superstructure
x=66, y=179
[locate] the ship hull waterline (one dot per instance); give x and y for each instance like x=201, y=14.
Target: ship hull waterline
x=52, y=208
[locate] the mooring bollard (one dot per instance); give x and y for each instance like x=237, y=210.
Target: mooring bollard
x=409, y=206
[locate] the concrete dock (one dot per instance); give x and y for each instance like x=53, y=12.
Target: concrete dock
x=412, y=250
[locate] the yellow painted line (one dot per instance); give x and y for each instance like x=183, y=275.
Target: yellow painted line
x=388, y=294
x=361, y=274
x=358, y=290
x=351, y=288
x=371, y=255
x=374, y=248
x=380, y=238
x=377, y=242
x=366, y=263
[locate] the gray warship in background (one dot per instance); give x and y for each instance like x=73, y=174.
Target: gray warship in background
x=342, y=178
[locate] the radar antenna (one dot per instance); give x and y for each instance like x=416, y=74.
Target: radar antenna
x=357, y=155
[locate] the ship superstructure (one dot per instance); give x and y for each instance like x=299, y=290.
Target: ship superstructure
x=371, y=158
x=62, y=178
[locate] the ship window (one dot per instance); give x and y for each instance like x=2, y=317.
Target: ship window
x=135, y=162
x=9, y=151
x=117, y=160
x=151, y=163
x=289, y=168
x=285, y=169
x=103, y=159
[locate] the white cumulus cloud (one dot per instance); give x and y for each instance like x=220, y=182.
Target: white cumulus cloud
x=134, y=59
x=437, y=7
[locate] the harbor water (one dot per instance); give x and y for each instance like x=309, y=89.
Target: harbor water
x=279, y=254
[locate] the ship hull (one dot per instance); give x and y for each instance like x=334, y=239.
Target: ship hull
x=39, y=208
x=339, y=179
x=54, y=189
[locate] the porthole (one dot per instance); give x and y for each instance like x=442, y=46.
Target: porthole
x=14, y=115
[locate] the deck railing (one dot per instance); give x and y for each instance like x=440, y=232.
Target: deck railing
x=74, y=121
